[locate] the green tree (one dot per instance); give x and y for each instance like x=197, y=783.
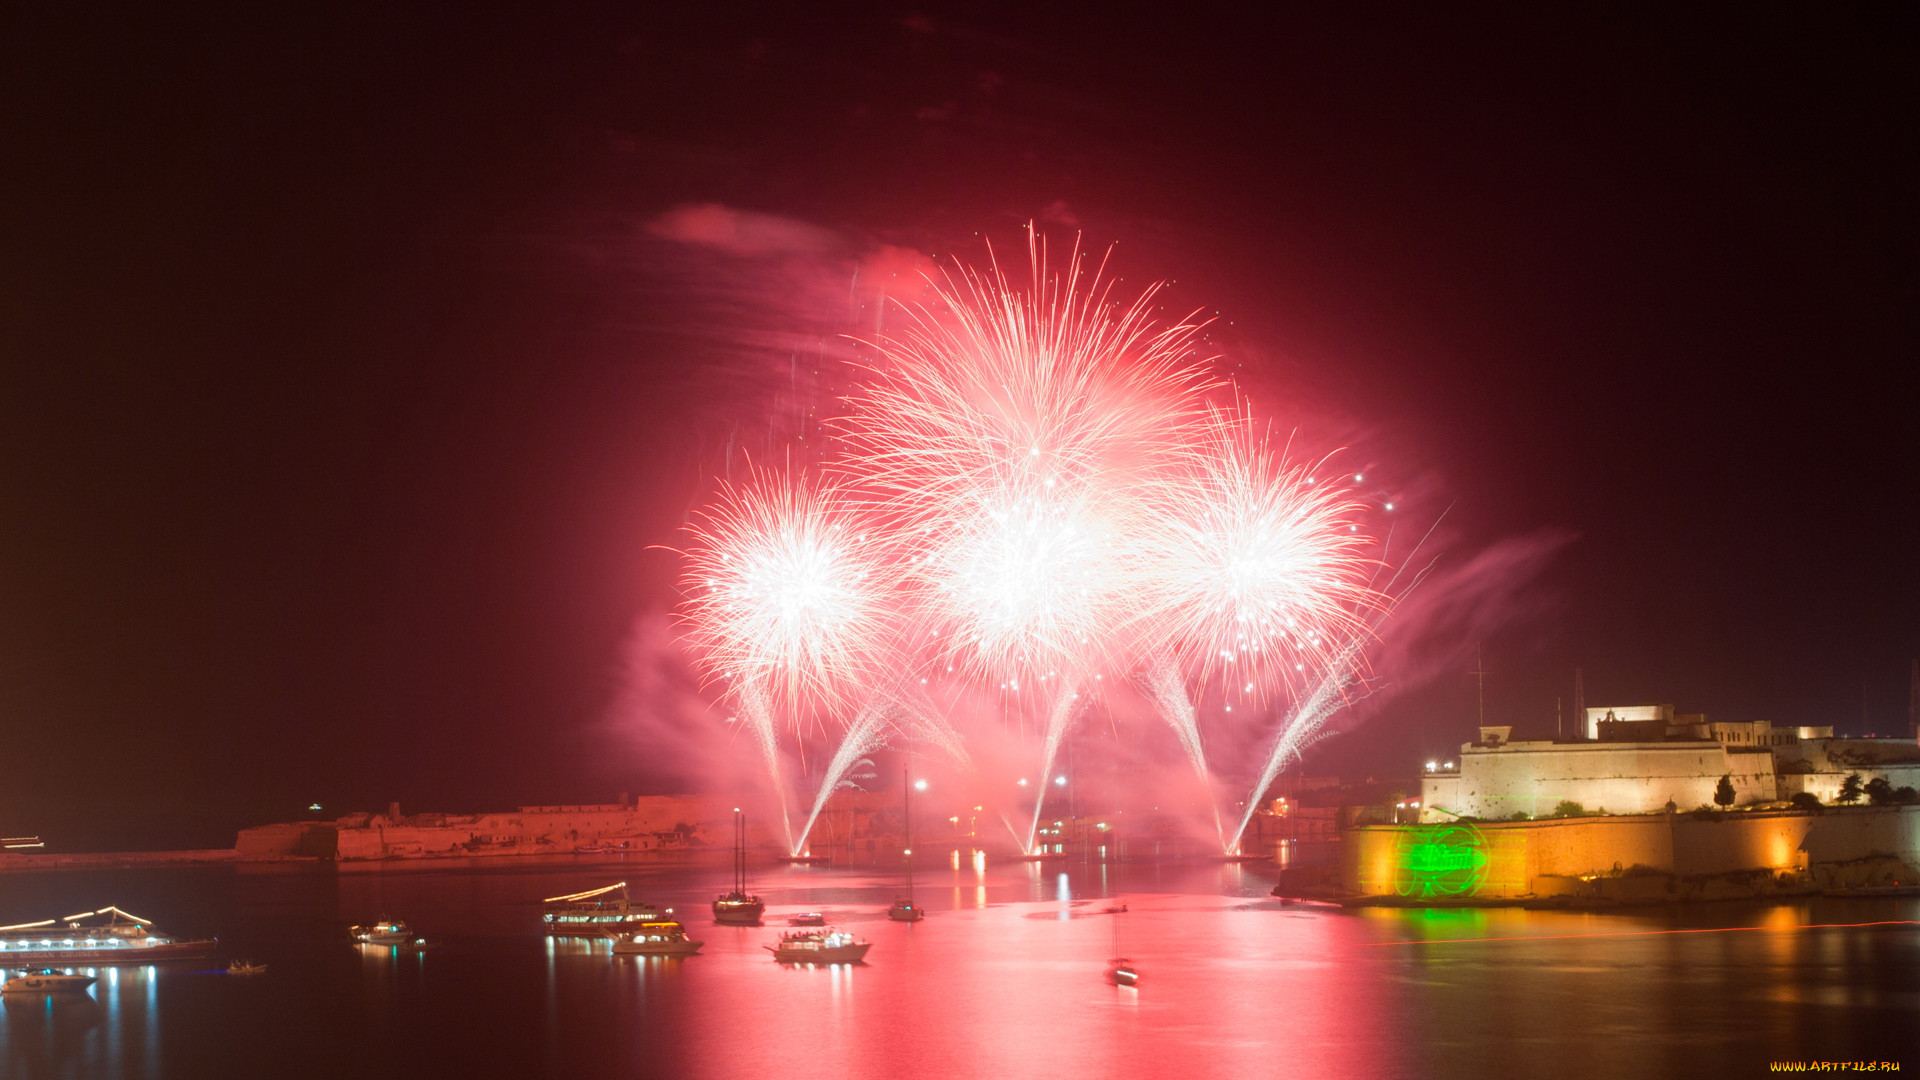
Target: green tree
x=1879, y=792
x=1568, y=808
x=1806, y=800
x=1906, y=796
x=1849, y=789
x=1723, y=792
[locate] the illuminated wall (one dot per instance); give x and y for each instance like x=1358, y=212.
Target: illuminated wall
x=1494, y=860
x=1531, y=778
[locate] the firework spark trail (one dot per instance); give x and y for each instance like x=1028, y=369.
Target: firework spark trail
x=1329, y=697
x=1066, y=706
x=1304, y=726
x=1168, y=689
x=863, y=736
x=760, y=720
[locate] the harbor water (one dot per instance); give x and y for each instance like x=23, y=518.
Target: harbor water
x=1004, y=978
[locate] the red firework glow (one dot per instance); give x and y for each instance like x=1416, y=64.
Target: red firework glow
x=1032, y=493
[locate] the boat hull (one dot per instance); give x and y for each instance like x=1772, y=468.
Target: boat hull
x=104, y=953
x=657, y=948
x=844, y=954
x=47, y=984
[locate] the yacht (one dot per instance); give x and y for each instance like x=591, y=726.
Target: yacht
x=656, y=939
x=824, y=946
x=597, y=911
x=106, y=936
x=384, y=932
x=46, y=981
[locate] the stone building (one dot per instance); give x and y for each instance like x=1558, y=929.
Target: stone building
x=1638, y=759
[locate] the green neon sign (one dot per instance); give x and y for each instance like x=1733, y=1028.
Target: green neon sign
x=1440, y=860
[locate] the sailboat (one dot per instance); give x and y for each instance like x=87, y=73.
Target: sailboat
x=904, y=909
x=739, y=907
x=1120, y=970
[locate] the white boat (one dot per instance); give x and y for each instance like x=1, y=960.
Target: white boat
x=106, y=936
x=1122, y=972
x=807, y=918
x=384, y=932
x=826, y=946
x=656, y=939
x=597, y=911
x=46, y=981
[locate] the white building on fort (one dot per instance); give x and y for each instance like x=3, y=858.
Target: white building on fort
x=1641, y=758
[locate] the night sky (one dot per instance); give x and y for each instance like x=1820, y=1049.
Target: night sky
x=356, y=354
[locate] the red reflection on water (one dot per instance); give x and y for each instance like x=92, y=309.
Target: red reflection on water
x=1019, y=990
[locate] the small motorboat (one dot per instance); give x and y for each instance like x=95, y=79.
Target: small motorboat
x=825, y=946
x=807, y=918
x=46, y=981
x=1122, y=972
x=656, y=939
x=905, y=910
x=246, y=967
x=384, y=932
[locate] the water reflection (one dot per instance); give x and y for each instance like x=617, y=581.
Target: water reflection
x=1008, y=979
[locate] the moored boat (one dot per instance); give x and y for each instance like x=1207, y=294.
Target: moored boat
x=384, y=932
x=597, y=911
x=246, y=967
x=739, y=907
x=807, y=918
x=106, y=936
x=656, y=939
x=46, y=981
x=825, y=946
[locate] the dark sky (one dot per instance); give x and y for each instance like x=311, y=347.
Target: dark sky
x=349, y=374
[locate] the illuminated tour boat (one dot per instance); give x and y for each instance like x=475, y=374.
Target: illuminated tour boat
x=384, y=932
x=46, y=981
x=598, y=911
x=106, y=936
x=663, y=938
x=827, y=946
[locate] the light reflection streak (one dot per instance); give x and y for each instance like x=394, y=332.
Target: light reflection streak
x=1645, y=933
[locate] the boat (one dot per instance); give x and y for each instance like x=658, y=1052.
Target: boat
x=665, y=938
x=596, y=911
x=739, y=907
x=1120, y=970
x=903, y=908
x=807, y=918
x=106, y=936
x=824, y=946
x=384, y=932
x=246, y=967
x=46, y=981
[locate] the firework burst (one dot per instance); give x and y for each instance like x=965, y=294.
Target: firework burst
x=1256, y=570
x=1009, y=432
x=788, y=596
